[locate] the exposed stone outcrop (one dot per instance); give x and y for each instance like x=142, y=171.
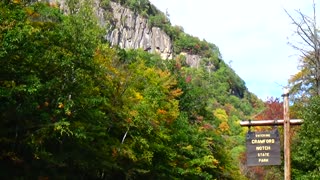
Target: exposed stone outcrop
x=192, y=60
x=132, y=31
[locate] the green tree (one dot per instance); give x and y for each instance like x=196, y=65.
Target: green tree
x=47, y=92
x=74, y=108
x=305, y=155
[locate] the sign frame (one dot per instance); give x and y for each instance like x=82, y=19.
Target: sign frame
x=263, y=148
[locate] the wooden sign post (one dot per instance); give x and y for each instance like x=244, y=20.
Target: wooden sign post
x=286, y=142
x=286, y=122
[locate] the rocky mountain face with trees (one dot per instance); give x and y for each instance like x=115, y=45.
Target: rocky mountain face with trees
x=103, y=89
x=131, y=30
x=126, y=28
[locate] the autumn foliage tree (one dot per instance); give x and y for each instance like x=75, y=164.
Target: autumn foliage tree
x=72, y=107
x=306, y=82
x=273, y=110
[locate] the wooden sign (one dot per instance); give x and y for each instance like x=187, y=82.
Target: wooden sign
x=263, y=148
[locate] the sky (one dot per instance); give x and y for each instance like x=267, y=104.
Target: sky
x=252, y=36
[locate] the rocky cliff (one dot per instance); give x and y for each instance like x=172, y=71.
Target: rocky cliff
x=132, y=31
x=129, y=30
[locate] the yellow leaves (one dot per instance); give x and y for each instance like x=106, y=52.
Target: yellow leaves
x=221, y=114
x=166, y=79
x=16, y=1
x=173, y=163
x=12, y=156
x=133, y=113
x=96, y=90
x=36, y=15
x=198, y=169
x=168, y=112
x=209, y=140
x=223, y=117
x=176, y=92
x=104, y=57
x=129, y=153
x=63, y=128
x=60, y=105
x=138, y=96
x=29, y=11
x=163, y=74
x=68, y=112
x=207, y=161
x=6, y=25
x=8, y=84
x=189, y=148
x=296, y=77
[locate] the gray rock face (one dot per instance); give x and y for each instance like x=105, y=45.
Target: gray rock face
x=131, y=31
x=192, y=60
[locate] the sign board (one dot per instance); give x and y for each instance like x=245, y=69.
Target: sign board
x=263, y=148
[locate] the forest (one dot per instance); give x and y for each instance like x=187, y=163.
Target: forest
x=74, y=107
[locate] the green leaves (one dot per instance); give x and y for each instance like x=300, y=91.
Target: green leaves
x=306, y=148
x=70, y=103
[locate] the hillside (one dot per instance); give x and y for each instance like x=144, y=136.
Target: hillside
x=110, y=90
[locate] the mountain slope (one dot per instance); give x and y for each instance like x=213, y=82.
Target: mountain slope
x=75, y=107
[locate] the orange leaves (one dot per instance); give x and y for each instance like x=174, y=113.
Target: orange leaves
x=163, y=74
x=273, y=110
x=167, y=115
x=129, y=120
x=114, y=152
x=176, y=92
x=46, y=104
x=161, y=111
x=224, y=127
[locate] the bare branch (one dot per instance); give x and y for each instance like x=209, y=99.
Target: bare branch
x=309, y=47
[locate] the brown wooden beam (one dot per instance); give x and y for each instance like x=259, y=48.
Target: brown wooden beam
x=270, y=122
x=286, y=133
